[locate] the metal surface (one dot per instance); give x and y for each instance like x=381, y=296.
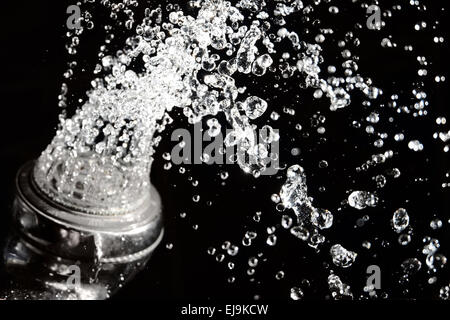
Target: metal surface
x=72, y=234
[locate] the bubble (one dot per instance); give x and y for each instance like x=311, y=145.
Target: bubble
x=286, y=221
x=296, y=293
x=339, y=289
x=253, y=262
x=214, y=127
x=362, y=199
x=279, y=275
x=271, y=240
x=341, y=256
x=415, y=145
x=404, y=239
x=322, y=218
x=400, y=220
x=411, y=266
x=300, y=232
x=436, y=224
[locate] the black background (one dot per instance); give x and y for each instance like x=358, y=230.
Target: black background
x=33, y=58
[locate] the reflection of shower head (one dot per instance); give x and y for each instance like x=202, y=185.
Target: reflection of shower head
x=38, y=274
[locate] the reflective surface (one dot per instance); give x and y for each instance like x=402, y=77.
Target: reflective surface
x=75, y=234
x=35, y=274
x=53, y=252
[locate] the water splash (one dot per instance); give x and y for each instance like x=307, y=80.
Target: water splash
x=100, y=159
